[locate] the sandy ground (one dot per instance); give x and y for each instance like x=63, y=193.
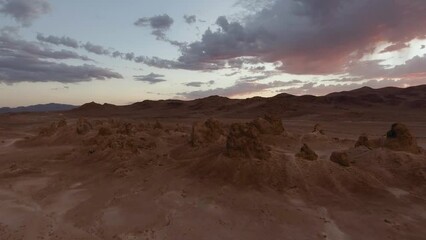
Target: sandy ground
x=60, y=187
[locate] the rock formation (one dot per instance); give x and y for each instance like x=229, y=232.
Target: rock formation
x=83, y=126
x=363, y=141
x=104, y=131
x=318, y=129
x=204, y=133
x=307, y=153
x=53, y=128
x=158, y=125
x=340, y=158
x=243, y=142
x=269, y=124
x=399, y=138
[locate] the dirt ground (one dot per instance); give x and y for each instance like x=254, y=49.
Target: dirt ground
x=128, y=179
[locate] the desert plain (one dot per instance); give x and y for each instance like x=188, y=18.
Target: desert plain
x=348, y=165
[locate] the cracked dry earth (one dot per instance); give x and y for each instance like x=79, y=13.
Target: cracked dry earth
x=140, y=179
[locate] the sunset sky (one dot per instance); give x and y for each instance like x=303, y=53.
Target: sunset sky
x=122, y=52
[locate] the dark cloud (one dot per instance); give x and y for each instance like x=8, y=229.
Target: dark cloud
x=413, y=68
x=242, y=61
x=232, y=74
x=90, y=47
x=344, y=80
x=159, y=22
x=253, y=78
x=13, y=70
x=24, y=11
x=190, y=19
x=159, y=25
x=199, y=84
x=129, y=56
x=395, y=47
x=65, y=41
x=23, y=61
x=9, y=30
x=171, y=64
x=60, y=88
x=11, y=46
x=239, y=88
x=318, y=89
x=310, y=36
x=96, y=49
x=151, y=78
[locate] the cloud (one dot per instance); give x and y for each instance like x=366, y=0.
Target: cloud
x=60, y=88
x=96, y=49
x=24, y=11
x=129, y=56
x=413, y=68
x=151, y=78
x=199, y=84
x=190, y=19
x=159, y=22
x=253, y=78
x=12, y=47
x=65, y=41
x=171, y=64
x=395, y=47
x=23, y=61
x=309, y=36
x=9, y=30
x=72, y=43
x=232, y=74
x=159, y=25
x=150, y=61
x=13, y=70
x=319, y=89
x=238, y=89
x=89, y=47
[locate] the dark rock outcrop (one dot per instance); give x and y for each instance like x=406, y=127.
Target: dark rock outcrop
x=307, y=153
x=318, y=129
x=399, y=138
x=83, y=126
x=243, y=141
x=363, y=141
x=269, y=124
x=340, y=158
x=206, y=133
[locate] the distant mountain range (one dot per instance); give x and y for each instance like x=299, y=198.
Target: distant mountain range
x=360, y=104
x=363, y=103
x=51, y=107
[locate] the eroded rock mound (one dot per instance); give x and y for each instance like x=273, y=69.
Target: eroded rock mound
x=105, y=131
x=119, y=143
x=83, y=126
x=318, y=129
x=399, y=138
x=243, y=142
x=207, y=132
x=158, y=125
x=127, y=129
x=53, y=128
x=307, y=153
x=340, y=158
x=269, y=124
x=363, y=141
x=62, y=123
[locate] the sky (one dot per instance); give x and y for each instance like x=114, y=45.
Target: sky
x=121, y=52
